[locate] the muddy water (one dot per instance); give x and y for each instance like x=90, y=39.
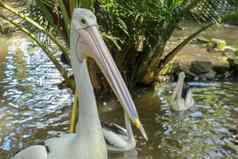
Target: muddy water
x=32, y=109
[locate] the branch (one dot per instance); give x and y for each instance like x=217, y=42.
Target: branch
x=65, y=17
x=62, y=71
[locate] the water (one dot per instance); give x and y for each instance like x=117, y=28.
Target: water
x=33, y=109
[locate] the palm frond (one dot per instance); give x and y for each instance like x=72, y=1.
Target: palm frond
x=44, y=47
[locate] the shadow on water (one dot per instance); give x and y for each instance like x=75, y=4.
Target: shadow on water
x=33, y=109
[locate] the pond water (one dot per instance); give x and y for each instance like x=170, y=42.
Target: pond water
x=33, y=109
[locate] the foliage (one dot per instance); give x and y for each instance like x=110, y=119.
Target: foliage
x=233, y=2
x=135, y=30
x=44, y=26
x=232, y=18
x=143, y=27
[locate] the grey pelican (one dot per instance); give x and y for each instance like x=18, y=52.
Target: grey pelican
x=88, y=142
x=182, y=97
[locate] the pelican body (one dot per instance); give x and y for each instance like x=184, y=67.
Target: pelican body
x=182, y=98
x=119, y=139
x=88, y=142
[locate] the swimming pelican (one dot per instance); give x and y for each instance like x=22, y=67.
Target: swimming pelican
x=88, y=141
x=182, y=97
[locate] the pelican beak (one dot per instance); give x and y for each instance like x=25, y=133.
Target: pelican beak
x=92, y=44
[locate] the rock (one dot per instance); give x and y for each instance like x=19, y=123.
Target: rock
x=230, y=49
x=221, y=66
x=236, y=110
x=200, y=67
x=178, y=67
x=210, y=75
x=196, y=115
x=200, y=64
x=216, y=45
x=233, y=63
x=230, y=52
x=206, y=76
x=220, y=44
x=221, y=69
x=202, y=40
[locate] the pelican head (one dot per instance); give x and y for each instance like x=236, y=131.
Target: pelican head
x=182, y=76
x=88, y=41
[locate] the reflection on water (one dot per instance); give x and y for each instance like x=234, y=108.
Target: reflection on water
x=205, y=131
x=3, y=54
x=33, y=109
x=31, y=105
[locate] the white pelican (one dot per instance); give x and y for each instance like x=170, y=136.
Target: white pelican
x=88, y=141
x=118, y=139
x=182, y=97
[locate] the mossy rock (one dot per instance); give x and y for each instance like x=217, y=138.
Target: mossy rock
x=200, y=67
x=203, y=40
x=236, y=52
x=234, y=64
x=218, y=44
x=221, y=66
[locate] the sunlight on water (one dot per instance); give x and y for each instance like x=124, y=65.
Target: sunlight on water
x=32, y=109
x=31, y=105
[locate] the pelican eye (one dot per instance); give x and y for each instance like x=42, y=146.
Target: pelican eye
x=83, y=21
